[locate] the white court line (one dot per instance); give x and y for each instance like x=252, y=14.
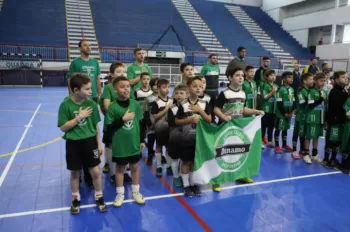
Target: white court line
x=12, y=158
x=168, y=195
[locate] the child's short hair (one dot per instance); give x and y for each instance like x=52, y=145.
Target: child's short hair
x=161, y=82
x=153, y=81
x=114, y=66
x=267, y=73
x=338, y=74
x=231, y=72
x=304, y=77
x=319, y=76
x=78, y=80
x=192, y=79
x=118, y=79
x=249, y=67
x=286, y=74
x=143, y=74
x=184, y=65
x=180, y=87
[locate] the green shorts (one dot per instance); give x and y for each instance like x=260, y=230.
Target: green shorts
x=335, y=133
x=314, y=131
x=282, y=124
x=299, y=129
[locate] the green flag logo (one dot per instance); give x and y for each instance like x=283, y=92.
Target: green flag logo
x=232, y=148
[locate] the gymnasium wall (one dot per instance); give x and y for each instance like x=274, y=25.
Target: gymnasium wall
x=333, y=51
x=257, y=3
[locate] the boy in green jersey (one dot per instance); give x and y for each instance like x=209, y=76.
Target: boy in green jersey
x=315, y=117
x=124, y=120
x=268, y=96
x=284, y=111
x=345, y=146
x=145, y=90
x=78, y=118
x=149, y=120
x=250, y=88
x=307, y=81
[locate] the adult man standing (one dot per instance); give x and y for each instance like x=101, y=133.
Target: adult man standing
x=134, y=71
x=259, y=74
x=211, y=72
x=239, y=61
x=89, y=66
x=312, y=68
x=296, y=79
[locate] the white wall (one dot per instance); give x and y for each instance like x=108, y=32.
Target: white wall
x=275, y=14
x=339, y=15
x=302, y=36
x=307, y=7
x=333, y=51
x=273, y=4
x=257, y=3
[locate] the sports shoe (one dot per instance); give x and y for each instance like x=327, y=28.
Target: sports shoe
x=295, y=155
x=163, y=160
x=307, y=159
x=333, y=163
x=216, y=188
x=127, y=179
x=75, y=207
x=196, y=190
x=169, y=171
x=119, y=199
x=101, y=205
x=138, y=198
x=316, y=159
x=287, y=148
x=246, y=180
x=264, y=140
x=159, y=172
x=278, y=150
x=105, y=168
x=262, y=146
x=188, y=192
x=325, y=163
x=177, y=182
x=149, y=159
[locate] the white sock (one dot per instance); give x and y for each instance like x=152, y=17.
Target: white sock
x=190, y=177
x=98, y=194
x=76, y=196
x=175, y=168
x=135, y=188
x=185, y=180
x=159, y=159
x=120, y=190
x=168, y=160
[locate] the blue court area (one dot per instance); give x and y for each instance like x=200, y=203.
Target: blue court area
x=35, y=195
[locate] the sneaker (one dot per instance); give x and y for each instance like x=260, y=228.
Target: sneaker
x=101, y=205
x=188, y=192
x=246, y=180
x=163, y=160
x=295, y=155
x=325, y=163
x=307, y=159
x=138, y=198
x=118, y=201
x=149, y=159
x=262, y=146
x=216, y=188
x=278, y=150
x=196, y=190
x=333, y=164
x=169, y=171
x=159, y=172
x=264, y=140
x=105, y=168
x=177, y=182
x=287, y=148
x=112, y=179
x=75, y=207
x=316, y=159
x=127, y=179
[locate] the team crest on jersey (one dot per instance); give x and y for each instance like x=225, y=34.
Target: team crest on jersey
x=95, y=153
x=128, y=125
x=82, y=122
x=232, y=149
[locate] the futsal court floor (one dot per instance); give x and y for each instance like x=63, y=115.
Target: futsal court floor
x=35, y=195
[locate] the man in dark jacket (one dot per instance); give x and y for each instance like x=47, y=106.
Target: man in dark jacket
x=335, y=118
x=259, y=74
x=296, y=79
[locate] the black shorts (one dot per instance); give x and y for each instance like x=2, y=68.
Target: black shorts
x=173, y=150
x=162, y=137
x=82, y=153
x=107, y=139
x=187, y=153
x=122, y=161
x=268, y=120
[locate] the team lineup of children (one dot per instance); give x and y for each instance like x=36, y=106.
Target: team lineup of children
x=136, y=110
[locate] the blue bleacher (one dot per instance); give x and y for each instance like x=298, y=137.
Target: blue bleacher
x=227, y=29
x=33, y=22
x=128, y=23
x=277, y=33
